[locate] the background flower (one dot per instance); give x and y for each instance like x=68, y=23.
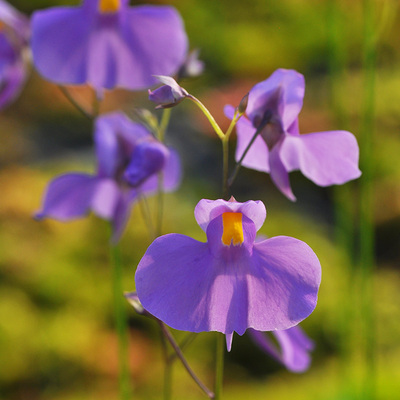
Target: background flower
x=295, y=347
x=129, y=160
x=105, y=47
x=14, y=36
x=327, y=158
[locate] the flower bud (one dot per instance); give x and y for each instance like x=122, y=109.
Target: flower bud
x=168, y=95
x=243, y=104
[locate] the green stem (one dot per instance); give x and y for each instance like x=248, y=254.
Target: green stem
x=165, y=118
x=71, y=99
x=225, y=167
x=343, y=195
x=162, y=128
x=366, y=196
x=265, y=121
x=207, y=113
x=219, y=365
x=121, y=325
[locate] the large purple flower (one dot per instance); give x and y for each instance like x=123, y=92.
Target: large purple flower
x=107, y=43
x=129, y=163
x=326, y=158
x=294, y=344
x=230, y=283
x=14, y=36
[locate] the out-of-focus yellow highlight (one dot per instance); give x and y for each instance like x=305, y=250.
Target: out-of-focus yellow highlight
x=233, y=229
x=109, y=6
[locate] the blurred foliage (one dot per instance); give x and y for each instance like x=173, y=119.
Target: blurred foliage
x=56, y=327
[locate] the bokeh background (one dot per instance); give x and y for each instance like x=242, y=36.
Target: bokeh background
x=57, y=339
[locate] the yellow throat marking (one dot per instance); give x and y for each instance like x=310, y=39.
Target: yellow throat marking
x=232, y=229
x=109, y=6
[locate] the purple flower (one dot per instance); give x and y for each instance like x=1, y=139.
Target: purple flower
x=326, y=158
x=14, y=36
x=107, y=43
x=295, y=347
x=169, y=95
x=230, y=283
x=129, y=160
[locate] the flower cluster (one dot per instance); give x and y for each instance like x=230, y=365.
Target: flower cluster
x=232, y=282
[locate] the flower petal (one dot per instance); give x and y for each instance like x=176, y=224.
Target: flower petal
x=68, y=196
x=181, y=283
x=257, y=157
x=326, y=158
x=207, y=210
x=60, y=41
x=121, y=214
x=105, y=198
x=282, y=92
x=123, y=49
x=283, y=284
x=12, y=71
x=295, y=345
x=279, y=173
x=115, y=138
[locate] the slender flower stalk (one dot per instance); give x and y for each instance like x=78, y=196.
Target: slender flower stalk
x=183, y=360
x=162, y=129
x=210, y=118
x=76, y=104
x=121, y=325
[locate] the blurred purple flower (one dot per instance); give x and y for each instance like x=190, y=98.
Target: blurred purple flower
x=14, y=37
x=169, y=95
x=295, y=347
x=129, y=160
x=107, y=43
x=326, y=158
x=192, y=66
x=230, y=283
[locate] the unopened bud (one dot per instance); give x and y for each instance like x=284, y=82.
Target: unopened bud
x=169, y=95
x=243, y=104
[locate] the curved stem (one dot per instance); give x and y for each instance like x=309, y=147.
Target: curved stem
x=183, y=360
x=266, y=119
x=208, y=115
x=72, y=100
x=121, y=325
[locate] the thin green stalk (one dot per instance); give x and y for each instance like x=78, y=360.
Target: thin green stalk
x=79, y=107
x=219, y=365
x=225, y=167
x=208, y=115
x=366, y=196
x=162, y=128
x=165, y=118
x=344, y=218
x=121, y=325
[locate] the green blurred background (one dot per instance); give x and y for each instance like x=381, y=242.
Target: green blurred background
x=57, y=339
